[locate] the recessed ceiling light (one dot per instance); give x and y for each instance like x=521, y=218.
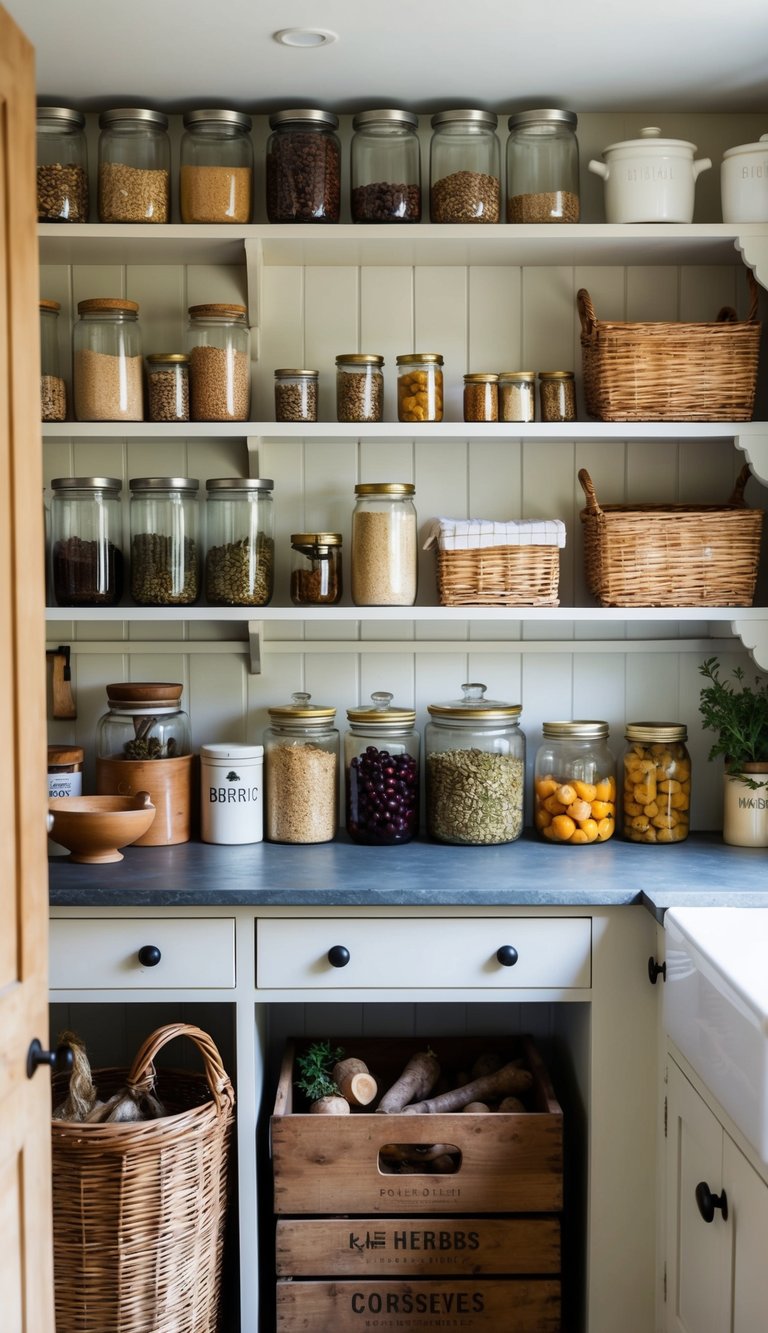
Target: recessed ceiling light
x=304, y=37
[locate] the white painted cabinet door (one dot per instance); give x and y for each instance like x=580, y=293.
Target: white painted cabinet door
x=748, y=1200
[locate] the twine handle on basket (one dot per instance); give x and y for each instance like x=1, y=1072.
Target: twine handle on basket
x=739, y=486
x=586, y=311
x=141, y=1076
x=588, y=487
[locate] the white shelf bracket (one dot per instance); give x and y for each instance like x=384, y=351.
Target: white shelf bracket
x=252, y=443
x=755, y=450
x=754, y=252
x=754, y=636
x=254, y=268
x=255, y=635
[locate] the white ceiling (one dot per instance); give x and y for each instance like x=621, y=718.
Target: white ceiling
x=589, y=55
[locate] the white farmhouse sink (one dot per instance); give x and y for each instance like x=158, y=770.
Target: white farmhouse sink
x=716, y=1006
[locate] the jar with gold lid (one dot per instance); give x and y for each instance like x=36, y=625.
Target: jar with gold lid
x=656, y=794
x=301, y=770
x=517, y=395
x=384, y=544
x=359, y=386
x=557, y=395
x=481, y=397
x=420, y=386
x=475, y=769
x=316, y=575
x=575, y=783
x=381, y=765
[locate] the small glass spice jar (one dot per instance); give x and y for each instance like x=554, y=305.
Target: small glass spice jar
x=420, y=386
x=557, y=395
x=296, y=395
x=384, y=544
x=359, y=387
x=303, y=167
x=316, y=568
x=517, y=395
x=134, y=166
x=216, y=167
x=62, y=165
x=165, y=550
x=301, y=769
x=481, y=397
x=385, y=163
x=65, y=771
x=543, y=167
x=218, y=342
x=53, y=389
x=475, y=769
x=168, y=386
x=86, y=528
x=107, y=364
x=239, y=560
x=574, y=784
x=656, y=794
x=465, y=167
x=231, y=793
x=381, y=773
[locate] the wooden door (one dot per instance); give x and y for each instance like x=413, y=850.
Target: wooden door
x=26, y=1280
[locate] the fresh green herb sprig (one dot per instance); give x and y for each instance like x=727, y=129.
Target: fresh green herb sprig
x=314, y=1066
x=739, y=716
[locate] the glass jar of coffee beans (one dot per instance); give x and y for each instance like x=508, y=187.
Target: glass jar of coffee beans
x=465, y=167
x=165, y=550
x=86, y=554
x=542, y=167
x=385, y=167
x=359, y=387
x=239, y=560
x=303, y=167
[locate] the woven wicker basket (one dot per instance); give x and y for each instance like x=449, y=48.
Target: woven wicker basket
x=499, y=576
x=139, y=1208
x=671, y=555
x=670, y=372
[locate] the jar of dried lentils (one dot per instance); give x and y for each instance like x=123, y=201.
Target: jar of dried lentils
x=542, y=167
x=134, y=166
x=481, y=397
x=303, y=167
x=301, y=772
x=218, y=342
x=465, y=167
x=359, y=387
x=165, y=550
x=656, y=798
x=216, y=172
x=575, y=783
x=296, y=394
x=385, y=167
x=420, y=386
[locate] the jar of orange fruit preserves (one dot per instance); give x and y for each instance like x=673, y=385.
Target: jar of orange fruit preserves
x=574, y=784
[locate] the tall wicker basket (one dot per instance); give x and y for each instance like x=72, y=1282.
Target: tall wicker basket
x=139, y=1208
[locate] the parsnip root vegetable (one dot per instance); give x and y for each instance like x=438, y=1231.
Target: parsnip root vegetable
x=510, y=1080
x=511, y=1104
x=487, y=1063
x=331, y=1104
x=417, y=1079
x=355, y=1081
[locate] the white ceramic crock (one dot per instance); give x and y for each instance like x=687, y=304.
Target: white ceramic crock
x=649, y=179
x=744, y=182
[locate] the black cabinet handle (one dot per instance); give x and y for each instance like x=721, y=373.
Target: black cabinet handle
x=60, y=1061
x=149, y=955
x=656, y=970
x=507, y=955
x=707, y=1202
x=338, y=956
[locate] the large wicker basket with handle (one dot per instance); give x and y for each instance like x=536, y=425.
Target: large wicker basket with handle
x=139, y=1207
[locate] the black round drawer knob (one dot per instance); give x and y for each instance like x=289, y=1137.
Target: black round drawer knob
x=707, y=1202
x=338, y=956
x=507, y=955
x=149, y=955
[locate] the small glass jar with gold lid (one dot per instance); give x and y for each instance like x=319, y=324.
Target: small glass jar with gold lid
x=575, y=783
x=656, y=782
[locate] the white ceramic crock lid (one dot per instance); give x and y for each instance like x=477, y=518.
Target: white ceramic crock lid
x=760, y=147
x=650, y=140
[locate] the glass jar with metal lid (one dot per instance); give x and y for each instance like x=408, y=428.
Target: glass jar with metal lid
x=218, y=342
x=216, y=170
x=134, y=166
x=144, y=721
x=53, y=389
x=296, y=394
x=420, y=386
x=239, y=560
x=86, y=534
x=575, y=783
x=517, y=395
x=62, y=165
x=301, y=771
x=543, y=167
x=107, y=365
x=359, y=387
x=385, y=165
x=656, y=795
x=381, y=768
x=481, y=397
x=168, y=386
x=475, y=769
x=165, y=551
x=384, y=544
x=465, y=167
x=557, y=395
x=303, y=167
x=316, y=568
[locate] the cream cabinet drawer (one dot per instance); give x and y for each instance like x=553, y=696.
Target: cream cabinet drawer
x=495, y=953
x=122, y=953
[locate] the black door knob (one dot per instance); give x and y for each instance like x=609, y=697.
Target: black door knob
x=507, y=955
x=707, y=1202
x=338, y=956
x=656, y=970
x=60, y=1061
x=149, y=955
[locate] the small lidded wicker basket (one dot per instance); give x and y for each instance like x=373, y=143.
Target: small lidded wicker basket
x=481, y=562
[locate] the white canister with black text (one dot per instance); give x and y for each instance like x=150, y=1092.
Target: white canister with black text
x=231, y=793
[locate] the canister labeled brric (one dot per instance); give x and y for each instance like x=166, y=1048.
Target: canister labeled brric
x=301, y=770
x=231, y=793
x=65, y=771
x=384, y=546
x=656, y=796
x=575, y=783
x=475, y=769
x=381, y=766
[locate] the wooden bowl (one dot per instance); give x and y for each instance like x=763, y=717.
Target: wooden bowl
x=93, y=827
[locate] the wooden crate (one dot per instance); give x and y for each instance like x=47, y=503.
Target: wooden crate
x=514, y=1305
x=330, y=1164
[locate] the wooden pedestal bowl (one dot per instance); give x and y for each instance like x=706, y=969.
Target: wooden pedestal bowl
x=93, y=827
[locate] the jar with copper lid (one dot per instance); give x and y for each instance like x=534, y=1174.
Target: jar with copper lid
x=108, y=369
x=216, y=167
x=381, y=767
x=134, y=165
x=359, y=387
x=557, y=395
x=53, y=389
x=517, y=395
x=475, y=769
x=656, y=790
x=481, y=397
x=62, y=165
x=303, y=167
x=316, y=575
x=301, y=770
x=420, y=386
x=218, y=343
x=575, y=783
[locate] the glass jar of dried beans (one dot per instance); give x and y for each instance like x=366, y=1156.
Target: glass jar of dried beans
x=168, y=386
x=465, y=167
x=303, y=167
x=359, y=387
x=86, y=556
x=385, y=167
x=134, y=166
x=296, y=395
x=62, y=165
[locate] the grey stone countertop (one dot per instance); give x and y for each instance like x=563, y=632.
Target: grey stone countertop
x=701, y=872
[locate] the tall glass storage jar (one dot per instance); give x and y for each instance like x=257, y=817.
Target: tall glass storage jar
x=216, y=171
x=134, y=166
x=384, y=546
x=303, y=167
x=62, y=165
x=165, y=551
x=385, y=165
x=574, y=799
x=381, y=768
x=656, y=786
x=107, y=366
x=543, y=167
x=53, y=389
x=239, y=560
x=465, y=167
x=301, y=769
x=86, y=554
x=218, y=343
x=475, y=769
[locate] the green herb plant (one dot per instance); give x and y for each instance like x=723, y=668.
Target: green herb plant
x=739, y=716
x=315, y=1066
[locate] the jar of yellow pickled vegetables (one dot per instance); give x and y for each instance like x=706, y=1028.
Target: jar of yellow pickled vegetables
x=574, y=784
x=656, y=791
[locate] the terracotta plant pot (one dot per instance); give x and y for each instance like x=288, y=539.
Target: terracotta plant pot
x=745, y=809
x=169, y=783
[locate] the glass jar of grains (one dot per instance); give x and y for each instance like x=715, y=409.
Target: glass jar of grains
x=107, y=364
x=384, y=545
x=385, y=167
x=481, y=397
x=542, y=167
x=134, y=166
x=359, y=387
x=381, y=772
x=303, y=167
x=465, y=167
x=301, y=770
x=168, y=386
x=239, y=561
x=420, y=386
x=62, y=165
x=575, y=784
x=218, y=342
x=316, y=568
x=296, y=395
x=86, y=554
x=656, y=796
x=165, y=550
x=475, y=769
x=557, y=395
x=517, y=395
x=53, y=389
x=216, y=169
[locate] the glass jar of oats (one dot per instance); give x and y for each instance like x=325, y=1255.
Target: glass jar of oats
x=216, y=172
x=108, y=365
x=218, y=342
x=384, y=545
x=301, y=770
x=656, y=794
x=134, y=166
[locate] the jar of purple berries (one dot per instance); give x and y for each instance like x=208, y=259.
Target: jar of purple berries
x=475, y=769
x=381, y=763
